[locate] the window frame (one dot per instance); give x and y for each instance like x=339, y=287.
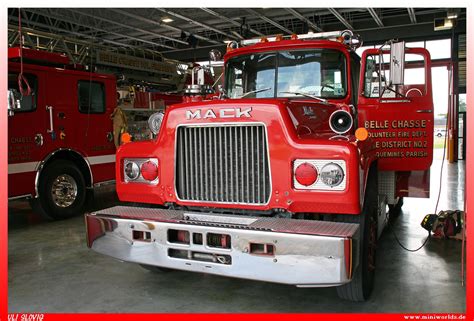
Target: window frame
x=35, y=91
x=104, y=97
x=345, y=70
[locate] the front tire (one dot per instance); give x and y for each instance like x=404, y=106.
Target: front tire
x=62, y=190
x=362, y=284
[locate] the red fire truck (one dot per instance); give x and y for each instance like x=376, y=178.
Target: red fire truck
x=287, y=175
x=60, y=141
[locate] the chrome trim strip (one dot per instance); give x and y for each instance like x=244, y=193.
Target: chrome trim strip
x=109, y=182
x=19, y=197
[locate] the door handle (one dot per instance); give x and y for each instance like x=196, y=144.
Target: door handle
x=51, y=125
x=426, y=111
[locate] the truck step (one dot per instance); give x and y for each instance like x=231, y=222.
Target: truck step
x=280, y=225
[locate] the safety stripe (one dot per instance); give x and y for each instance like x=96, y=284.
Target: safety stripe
x=94, y=160
x=22, y=167
x=33, y=166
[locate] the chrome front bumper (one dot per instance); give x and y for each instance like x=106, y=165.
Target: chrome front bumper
x=298, y=252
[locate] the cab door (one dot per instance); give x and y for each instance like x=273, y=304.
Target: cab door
x=26, y=131
x=399, y=118
x=95, y=102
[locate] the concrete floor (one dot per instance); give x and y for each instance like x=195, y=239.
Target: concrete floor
x=52, y=270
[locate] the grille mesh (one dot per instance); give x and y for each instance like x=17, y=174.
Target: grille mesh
x=225, y=164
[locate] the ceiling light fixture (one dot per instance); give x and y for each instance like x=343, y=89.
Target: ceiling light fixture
x=443, y=24
x=167, y=20
x=453, y=13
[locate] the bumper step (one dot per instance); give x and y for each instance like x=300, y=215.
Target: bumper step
x=282, y=225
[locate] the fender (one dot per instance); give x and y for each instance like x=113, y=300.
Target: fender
x=41, y=165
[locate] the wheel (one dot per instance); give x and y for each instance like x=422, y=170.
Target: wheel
x=395, y=209
x=360, y=288
x=62, y=190
x=155, y=269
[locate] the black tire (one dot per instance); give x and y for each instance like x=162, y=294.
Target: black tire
x=395, y=209
x=155, y=269
x=362, y=284
x=49, y=204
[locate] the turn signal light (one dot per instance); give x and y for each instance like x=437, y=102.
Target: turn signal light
x=306, y=174
x=361, y=134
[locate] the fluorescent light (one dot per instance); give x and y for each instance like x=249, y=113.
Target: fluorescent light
x=167, y=20
x=227, y=41
x=443, y=24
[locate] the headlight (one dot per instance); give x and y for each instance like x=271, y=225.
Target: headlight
x=132, y=170
x=332, y=174
x=319, y=174
x=154, y=122
x=141, y=170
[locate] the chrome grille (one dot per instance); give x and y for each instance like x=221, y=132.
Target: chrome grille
x=223, y=164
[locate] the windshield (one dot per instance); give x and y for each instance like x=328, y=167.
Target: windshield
x=318, y=72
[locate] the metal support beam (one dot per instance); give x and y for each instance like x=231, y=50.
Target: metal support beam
x=341, y=18
x=375, y=17
x=177, y=15
x=235, y=23
x=156, y=23
x=78, y=34
x=411, y=13
x=304, y=19
x=131, y=28
x=270, y=21
x=64, y=19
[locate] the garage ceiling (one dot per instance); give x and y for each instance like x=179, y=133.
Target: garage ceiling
x=194, y=31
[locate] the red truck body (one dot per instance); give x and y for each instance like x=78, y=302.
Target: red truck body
x=54, y=128
x=227, y=175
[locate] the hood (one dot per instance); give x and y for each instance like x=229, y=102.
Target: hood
x=306, y=118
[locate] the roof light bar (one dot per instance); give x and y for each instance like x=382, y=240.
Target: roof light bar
x=347, y=37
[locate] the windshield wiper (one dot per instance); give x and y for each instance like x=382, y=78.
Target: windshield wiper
x=255, y=91
x=324, y=101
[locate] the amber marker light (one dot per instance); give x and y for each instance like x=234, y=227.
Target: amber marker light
x=361, y=134
x=126, y=138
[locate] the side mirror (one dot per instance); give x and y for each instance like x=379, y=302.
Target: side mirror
x=397, y=63
x=215, y=55
x=13, y=101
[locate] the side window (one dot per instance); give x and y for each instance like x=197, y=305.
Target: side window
x=27, y=103
x=91, y=96
x=377, y=77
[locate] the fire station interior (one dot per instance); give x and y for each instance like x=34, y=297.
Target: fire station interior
x=147, y=59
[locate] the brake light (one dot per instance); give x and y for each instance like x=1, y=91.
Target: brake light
x=306, y=174
x=149, y=171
